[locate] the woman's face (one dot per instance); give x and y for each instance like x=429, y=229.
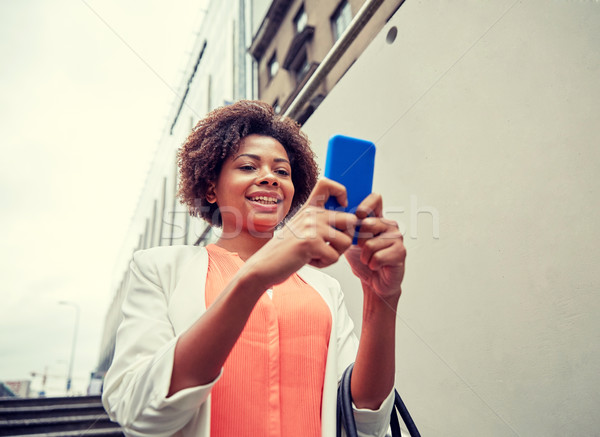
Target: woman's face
x=254, y=190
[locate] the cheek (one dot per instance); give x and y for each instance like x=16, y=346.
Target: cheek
x=290, y=191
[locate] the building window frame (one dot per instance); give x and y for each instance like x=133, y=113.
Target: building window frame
x=272, y=66
x=301, y=66
x=300, y=19
x=276, y=106
x=340, y=19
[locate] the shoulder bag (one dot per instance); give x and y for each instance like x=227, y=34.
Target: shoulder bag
x=345, y=417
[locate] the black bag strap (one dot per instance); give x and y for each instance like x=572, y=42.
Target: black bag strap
x=345, y=417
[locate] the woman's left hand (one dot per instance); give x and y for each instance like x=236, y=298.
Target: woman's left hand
x=378, y=259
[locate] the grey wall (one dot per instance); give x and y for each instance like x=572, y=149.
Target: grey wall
x=485, y=115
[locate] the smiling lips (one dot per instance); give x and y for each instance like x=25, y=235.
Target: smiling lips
x=265, y=200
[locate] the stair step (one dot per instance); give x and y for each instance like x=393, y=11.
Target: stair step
x=114, y=432
x=81, y=427
x=56, y=417
x=10, y=413
x=33, y=402
x=92, y=418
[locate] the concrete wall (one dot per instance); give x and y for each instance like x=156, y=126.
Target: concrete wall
x=485, y=115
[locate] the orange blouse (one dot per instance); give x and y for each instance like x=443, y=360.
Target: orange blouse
x=272, y=381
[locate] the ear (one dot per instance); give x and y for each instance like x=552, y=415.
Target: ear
x=211, y=196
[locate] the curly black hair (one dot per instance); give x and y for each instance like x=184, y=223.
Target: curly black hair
x=217, y=136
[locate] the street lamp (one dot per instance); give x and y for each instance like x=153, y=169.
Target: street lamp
x=70, y=375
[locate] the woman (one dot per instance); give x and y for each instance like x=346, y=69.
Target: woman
x=242, y=337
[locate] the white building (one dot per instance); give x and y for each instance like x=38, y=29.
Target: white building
x=219, y=71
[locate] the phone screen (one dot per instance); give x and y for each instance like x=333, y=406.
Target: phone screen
x=350, y=161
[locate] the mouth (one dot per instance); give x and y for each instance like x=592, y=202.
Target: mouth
x=264, y=200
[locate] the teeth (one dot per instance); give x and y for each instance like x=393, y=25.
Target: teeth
x=264, y=199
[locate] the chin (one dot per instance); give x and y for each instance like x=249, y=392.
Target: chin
x=263, y=228
x=265, y=224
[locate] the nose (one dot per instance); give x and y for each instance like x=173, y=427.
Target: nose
x=268, y=178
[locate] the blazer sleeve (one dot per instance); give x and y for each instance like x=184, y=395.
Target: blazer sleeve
x=369, y=423
x=137, y=383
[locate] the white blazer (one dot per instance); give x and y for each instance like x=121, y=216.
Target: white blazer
x=165, y=296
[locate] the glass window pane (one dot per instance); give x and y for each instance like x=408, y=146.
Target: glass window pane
x=273, y=66
x=301, y=20
x=341, y=20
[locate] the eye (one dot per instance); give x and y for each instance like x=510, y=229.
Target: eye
x=282, y=172
x=247, y=167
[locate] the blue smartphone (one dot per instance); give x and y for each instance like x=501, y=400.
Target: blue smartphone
x=350, y=161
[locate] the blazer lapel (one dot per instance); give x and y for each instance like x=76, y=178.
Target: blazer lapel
x=187, y=300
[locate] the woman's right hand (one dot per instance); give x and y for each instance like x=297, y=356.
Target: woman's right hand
x=315, y=236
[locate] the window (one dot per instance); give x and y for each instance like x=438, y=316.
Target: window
x=341, y=19
x=301, y=68
x=273, y=66
x=276, y=106
x=300, y=20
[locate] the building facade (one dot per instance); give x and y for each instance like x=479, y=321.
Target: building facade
x=295, y=36
x=218, y=72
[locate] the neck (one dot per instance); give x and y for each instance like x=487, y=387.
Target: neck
x=244, y=243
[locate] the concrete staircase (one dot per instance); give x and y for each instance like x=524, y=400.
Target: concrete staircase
x=56, y=417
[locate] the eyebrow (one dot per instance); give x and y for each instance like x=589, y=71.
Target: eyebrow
x=258, y=158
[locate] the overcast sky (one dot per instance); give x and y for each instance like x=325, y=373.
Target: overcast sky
x=80, y=118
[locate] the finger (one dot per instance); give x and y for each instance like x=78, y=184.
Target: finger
x=371, y=227
x=343, y=222
x=340, y=241
x=371, y=205
x=386, y=249
x=392, y=256
x=324, y=256
x=335, y=228
x=326, y=188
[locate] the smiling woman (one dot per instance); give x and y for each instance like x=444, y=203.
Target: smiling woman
x=218, y=136
x=254, y=186
x=245, y=324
